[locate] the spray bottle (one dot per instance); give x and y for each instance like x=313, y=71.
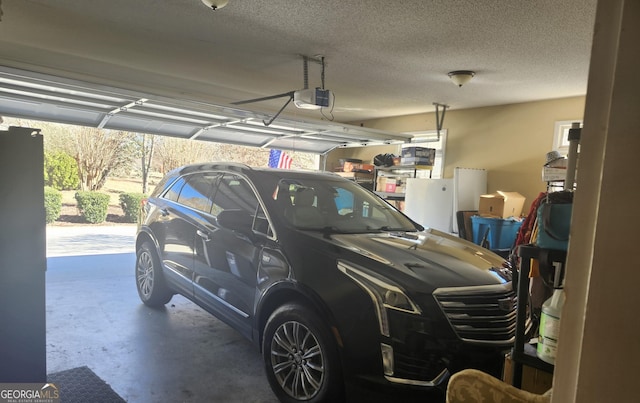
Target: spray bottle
x=550, y=323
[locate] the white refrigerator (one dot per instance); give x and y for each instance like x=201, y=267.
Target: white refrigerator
x=433, y=203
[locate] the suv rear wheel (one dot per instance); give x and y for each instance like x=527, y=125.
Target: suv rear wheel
x=300, y=357
x=152, y=288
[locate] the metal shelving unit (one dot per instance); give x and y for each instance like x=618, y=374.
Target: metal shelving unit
x=409, y=171
x=523, y=353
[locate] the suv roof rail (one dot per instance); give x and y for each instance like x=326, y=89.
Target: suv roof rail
x=198, y=166
x=231, y=165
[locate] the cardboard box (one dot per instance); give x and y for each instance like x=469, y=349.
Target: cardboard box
x=418, y=156
x=533, y=380
x=391, y=184
x=382, y=181
x=550, y=174
x=501, y=204
x=418, y=152
x=366, y=168
x=364, y=176
x=416, y=161
x=390, y=187
x=357, y=167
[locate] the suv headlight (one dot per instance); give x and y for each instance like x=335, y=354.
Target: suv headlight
x=384, y=294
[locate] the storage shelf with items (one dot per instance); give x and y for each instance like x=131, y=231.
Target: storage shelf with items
x=560, y=172
x=540, y=261
x=390, y=182
x=391, y=178
x=554, y=171
x=364, y=179
x=357, y=171
x=539, y=278
x=549, y=263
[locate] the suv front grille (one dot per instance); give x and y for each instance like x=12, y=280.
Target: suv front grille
x=484, y=314
x=426, y=367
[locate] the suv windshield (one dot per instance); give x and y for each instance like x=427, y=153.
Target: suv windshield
x=336, y=205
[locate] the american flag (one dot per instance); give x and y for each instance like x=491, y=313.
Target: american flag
x=279, y=159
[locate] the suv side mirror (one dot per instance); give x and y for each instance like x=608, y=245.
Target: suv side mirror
x=236, y=220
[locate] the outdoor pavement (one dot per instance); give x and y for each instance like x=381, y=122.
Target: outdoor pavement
x=77, y=240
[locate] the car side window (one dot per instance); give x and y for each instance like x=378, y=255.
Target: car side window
x=195, y=192
x=261, y=223
x=174, y=191
x=234, y=192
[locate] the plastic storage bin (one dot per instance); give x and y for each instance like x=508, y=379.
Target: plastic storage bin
x=502, y=232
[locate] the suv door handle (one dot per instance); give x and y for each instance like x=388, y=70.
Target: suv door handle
x=203, y=235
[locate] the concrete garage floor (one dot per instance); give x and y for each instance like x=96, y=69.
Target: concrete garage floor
x=177, y=354
x=95, y=318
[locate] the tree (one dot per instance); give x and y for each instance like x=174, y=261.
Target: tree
x=98, y=152
x=174, y=152
x=145, y=143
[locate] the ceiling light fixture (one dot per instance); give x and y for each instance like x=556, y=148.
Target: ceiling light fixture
x=215, y=4
x=461, y=77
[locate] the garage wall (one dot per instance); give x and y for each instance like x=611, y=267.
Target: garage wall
x=510, y=141
x=22, y=258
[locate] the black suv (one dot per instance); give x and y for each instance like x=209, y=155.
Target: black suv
x=331, y=282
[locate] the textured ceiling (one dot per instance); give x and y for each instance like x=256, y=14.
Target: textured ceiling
x=382, y=58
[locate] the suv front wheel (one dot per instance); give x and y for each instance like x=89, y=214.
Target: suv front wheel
x=300, y=357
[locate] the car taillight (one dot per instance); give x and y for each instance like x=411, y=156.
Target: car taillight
x=144, y=208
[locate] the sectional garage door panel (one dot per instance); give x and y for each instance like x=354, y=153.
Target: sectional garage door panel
x=43, y=97
x=48, y=111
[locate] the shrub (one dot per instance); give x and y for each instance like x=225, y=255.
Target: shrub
x=52, y=204
x=93, y=206
x=61, y=171
x=130, y=203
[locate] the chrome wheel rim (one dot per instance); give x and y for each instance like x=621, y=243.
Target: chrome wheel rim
x=297, y=360
x=144, y=274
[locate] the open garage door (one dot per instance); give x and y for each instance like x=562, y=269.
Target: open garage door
x=38, y=96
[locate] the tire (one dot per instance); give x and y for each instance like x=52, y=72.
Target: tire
x=300, y=357
x=152, y=289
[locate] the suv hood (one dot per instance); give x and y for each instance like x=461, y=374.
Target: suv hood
x=433, y=258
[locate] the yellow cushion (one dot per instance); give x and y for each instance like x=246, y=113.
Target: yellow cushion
x=473, y=386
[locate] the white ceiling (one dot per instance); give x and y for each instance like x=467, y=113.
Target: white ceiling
x=382, y=58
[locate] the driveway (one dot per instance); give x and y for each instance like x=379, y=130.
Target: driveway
x=80, y=240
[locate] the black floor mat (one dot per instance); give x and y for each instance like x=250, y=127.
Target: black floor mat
x=82, y=385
